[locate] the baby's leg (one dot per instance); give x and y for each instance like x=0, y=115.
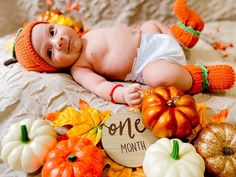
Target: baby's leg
x=164, y=73
x=154, y=26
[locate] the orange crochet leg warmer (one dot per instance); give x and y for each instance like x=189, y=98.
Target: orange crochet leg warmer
x=189, y=25
x=211, y=78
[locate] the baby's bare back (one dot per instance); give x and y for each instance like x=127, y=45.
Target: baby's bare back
x=110, y=52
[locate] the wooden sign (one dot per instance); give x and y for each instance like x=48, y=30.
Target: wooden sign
x=125, y=139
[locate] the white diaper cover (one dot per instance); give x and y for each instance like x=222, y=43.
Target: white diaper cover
x=155, y=47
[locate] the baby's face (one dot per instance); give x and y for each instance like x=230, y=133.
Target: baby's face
x=58, y=45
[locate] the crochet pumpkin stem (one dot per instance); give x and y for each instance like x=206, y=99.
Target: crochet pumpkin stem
x=175, y=151
x=189, y=25
x=24, y=138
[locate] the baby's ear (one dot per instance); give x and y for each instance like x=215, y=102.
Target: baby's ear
x=9, y=62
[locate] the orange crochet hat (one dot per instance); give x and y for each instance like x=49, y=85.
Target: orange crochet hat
x=187, y=29
x=25, y=53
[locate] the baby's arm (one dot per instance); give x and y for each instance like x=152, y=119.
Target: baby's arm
x=101, y=87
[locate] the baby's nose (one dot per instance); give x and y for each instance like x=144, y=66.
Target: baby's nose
x=59, y=43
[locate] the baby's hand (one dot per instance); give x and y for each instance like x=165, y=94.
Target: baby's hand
x=132, y=95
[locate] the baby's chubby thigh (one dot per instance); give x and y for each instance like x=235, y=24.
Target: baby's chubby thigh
x=165, y=73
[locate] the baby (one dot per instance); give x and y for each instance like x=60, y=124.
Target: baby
x=145, y=54
x=148, y=54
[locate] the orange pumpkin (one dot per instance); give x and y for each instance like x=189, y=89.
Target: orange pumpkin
x=75, y=157
x=168, y=112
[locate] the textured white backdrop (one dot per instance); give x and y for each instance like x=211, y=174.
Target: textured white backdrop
x=111, y=12
x=29, y=94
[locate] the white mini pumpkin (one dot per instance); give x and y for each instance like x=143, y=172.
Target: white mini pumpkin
x=172, y=158
x=27, y=143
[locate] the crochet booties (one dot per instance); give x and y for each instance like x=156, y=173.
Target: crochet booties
x=211, y=78
x=189, y=25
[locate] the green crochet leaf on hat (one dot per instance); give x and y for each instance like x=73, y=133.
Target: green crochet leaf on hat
x=14, y=44
x=188, y=29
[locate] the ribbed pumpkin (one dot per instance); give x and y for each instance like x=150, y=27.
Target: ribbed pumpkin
x=216, y=143
x=75, y=157
x=169, y=112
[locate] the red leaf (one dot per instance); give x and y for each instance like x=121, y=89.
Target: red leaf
x=51, y=116
x=83, y=104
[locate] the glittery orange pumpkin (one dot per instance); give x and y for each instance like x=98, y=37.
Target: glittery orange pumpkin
x=216, y=143
x=169, y=112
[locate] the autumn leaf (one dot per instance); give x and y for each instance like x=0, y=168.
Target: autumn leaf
x=204, y=119
x=87, y=122
x=201, y=108
x=83, y=104
x=117, y=170
x=221, y=116
x=90, y=125
x=68, y=117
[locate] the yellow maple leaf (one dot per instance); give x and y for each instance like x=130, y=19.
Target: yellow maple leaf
x=68, y=117
x=90, y=125
x=86, y=122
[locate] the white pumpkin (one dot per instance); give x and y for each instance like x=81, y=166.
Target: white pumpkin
x=27, y=143
x=172, y=158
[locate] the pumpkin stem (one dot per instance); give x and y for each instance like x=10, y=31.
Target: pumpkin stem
x=175, y=151
x=227, y=151
x=24, y=138
x=71, y=158
x=171, y=102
